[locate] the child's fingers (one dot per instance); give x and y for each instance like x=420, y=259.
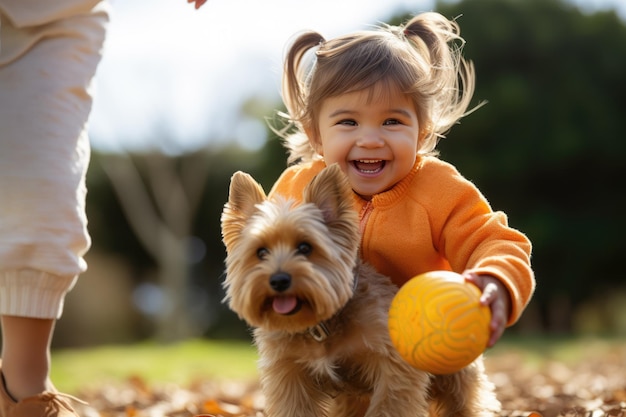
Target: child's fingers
x=496, y=333
x=497, y=324
x=498, y=320
x=474, y=279
x=198, y=3
x=489, y=295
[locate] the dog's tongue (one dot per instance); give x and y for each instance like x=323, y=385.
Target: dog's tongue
x=284, y=305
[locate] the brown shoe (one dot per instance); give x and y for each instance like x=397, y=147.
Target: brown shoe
x=46, y=404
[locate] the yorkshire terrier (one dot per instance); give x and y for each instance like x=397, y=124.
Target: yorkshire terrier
x=320, y=315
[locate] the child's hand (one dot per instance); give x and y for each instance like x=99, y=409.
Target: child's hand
x=496, y=296
x=199, y=3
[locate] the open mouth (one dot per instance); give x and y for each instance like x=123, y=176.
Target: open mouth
x=369, y=166
x=285, y=304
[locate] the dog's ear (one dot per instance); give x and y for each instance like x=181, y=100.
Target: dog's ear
x=331, y=192
x=244, y=194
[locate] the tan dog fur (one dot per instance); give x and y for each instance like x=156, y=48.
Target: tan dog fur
x=292, y=266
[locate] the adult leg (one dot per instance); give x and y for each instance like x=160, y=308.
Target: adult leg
x=44, y=153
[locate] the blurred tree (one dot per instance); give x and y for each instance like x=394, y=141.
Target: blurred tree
x=546, y=149
x=154, y=210
x=161, y=207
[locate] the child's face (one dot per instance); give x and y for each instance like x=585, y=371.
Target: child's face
x=373, y=140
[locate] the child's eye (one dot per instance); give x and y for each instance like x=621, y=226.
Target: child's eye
x=392, y=122
x=347, y=122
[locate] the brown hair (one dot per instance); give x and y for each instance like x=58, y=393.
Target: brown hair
x=422, y=59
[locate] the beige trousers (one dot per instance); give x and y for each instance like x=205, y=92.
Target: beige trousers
x=46, y=68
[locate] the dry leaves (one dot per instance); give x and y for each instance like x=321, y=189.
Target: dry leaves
x=135, y=398
x=594, y=387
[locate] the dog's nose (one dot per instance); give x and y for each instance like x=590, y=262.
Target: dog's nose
x=280, y=281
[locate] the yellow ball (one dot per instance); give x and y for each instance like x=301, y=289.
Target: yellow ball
x=437, y=324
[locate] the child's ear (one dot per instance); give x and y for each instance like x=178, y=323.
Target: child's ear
x=424, y=132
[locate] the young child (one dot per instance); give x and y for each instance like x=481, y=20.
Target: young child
x=376, y=102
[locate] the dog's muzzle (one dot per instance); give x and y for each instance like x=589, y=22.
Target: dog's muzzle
x=280, y=281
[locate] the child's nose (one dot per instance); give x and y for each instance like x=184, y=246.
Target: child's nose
x=370, y=138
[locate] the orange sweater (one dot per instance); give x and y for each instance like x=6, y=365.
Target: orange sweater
x=433, y=219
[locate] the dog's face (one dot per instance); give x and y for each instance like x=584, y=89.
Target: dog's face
x=289, y=265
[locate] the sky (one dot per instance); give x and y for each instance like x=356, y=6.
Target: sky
x=172, y=77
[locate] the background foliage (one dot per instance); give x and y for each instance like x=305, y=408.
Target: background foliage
x=547, y=149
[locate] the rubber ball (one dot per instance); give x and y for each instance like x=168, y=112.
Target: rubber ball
x=437, y=324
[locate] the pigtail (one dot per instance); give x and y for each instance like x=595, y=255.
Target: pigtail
x=296, y=73
x=295, y=88
x=450, y=81
x=422, y=59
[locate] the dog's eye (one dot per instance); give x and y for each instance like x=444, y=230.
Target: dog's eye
x=304, y=248
x=262, y=253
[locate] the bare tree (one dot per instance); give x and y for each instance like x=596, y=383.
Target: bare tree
x=160, y=196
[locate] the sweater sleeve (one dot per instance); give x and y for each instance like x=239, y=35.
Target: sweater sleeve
x=23, y=23
x=25, y=13
x=475, y=238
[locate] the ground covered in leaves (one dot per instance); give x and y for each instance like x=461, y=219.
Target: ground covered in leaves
x=591, y=386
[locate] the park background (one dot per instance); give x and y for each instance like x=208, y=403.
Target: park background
x=548, y=149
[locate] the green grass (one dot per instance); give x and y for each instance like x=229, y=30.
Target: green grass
x=181, y=363
x=537, y=350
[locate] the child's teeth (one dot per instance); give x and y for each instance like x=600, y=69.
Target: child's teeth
x=369, y=165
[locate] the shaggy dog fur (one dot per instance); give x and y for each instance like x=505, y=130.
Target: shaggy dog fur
x=320, y=315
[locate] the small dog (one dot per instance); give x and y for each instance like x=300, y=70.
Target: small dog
x=320, y=315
